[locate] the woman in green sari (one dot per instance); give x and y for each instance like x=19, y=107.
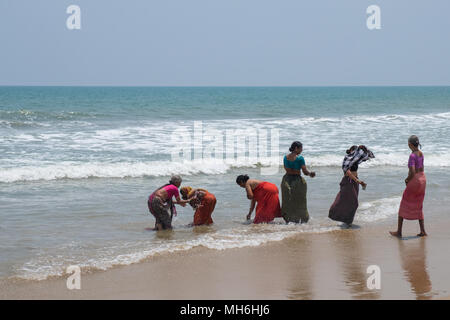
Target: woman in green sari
x=293, y=186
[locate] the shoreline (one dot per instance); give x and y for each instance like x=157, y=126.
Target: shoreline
x=330, y=265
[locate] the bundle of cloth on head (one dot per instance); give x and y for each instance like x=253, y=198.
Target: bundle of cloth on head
x=357, y=156
x=185, y=192
x=346, y=203
x=203, y=203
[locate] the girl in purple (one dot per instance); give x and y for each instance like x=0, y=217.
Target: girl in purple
x=411, y=207
x=161, y=204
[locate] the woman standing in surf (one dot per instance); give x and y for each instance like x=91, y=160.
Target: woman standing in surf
x=203, y=202
x=262, y=194
x=160, y=203
x=344, y=207
x=293, y=186
x=411, y=206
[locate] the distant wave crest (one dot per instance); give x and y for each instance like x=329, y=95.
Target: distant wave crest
x=71, y=170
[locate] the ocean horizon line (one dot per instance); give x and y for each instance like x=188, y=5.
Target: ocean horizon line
x=225, y=86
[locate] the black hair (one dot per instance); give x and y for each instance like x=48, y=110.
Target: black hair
x=295, y=145
x=242, y=178
x=414, y=140
x=352, y=148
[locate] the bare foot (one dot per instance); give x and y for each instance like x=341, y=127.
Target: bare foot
x=395, y=234
x=422, y=234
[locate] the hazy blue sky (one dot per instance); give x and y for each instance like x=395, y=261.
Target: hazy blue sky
x=224, y=42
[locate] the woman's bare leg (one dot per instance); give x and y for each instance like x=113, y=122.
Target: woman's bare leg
x=398, y=233
x=422, y=229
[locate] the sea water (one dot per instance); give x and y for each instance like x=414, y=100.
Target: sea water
x=77, y=165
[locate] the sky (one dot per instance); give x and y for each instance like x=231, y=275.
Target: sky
x=224, y=43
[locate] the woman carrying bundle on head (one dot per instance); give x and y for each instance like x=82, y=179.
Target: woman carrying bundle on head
x=262, y=194
x=344, y=207
x=293, y=186
x=202, y=201
x=411, y=206
x=162, y=206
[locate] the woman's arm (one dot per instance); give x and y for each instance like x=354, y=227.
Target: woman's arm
x=182, y=202
x=354, y=178
x=252, y=207
x=197, y=199
x=411, y=173
x=249, y=190
x=312, y=174
x=412, y=168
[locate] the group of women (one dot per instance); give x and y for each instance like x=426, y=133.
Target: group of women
x=162, y=207
x=264, y=195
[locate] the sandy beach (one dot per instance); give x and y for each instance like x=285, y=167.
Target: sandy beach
x=299, y=111
x=311, y=266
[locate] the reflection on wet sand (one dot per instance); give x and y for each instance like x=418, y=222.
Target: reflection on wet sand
x=200, y=230
x=312, y=268
x=352, y=259
x=165, y=234
x=300, y=271
x=413, y=256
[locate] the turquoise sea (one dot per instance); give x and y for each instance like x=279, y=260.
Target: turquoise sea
x=78, y=163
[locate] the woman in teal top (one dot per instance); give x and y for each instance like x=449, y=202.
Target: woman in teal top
x=293, y=186
x=296, y=165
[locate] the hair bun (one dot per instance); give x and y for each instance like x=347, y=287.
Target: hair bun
x=414, y=140
x=295, y=145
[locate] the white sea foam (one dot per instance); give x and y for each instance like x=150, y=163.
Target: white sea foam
x=245, y=236
x=378, y=209
x=32, y=171
x=119, y=152
x=240, y=236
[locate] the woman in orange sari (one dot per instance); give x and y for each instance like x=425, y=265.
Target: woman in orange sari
x=411, y=206
x=203, y=202
x=265, y=195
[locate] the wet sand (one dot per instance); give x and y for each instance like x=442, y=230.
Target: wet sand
x=308, y=266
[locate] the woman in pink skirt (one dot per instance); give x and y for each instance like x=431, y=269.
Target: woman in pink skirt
x=411, y=207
